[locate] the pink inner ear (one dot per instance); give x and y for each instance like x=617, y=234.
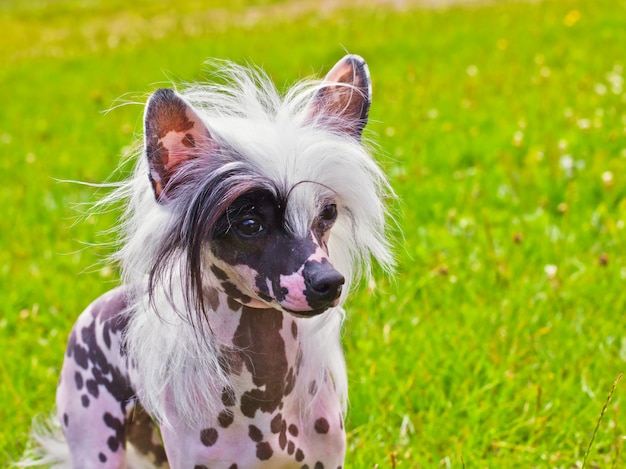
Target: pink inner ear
x=342, y=72
x=345, y=101
x=174, y=134
x=181, y=145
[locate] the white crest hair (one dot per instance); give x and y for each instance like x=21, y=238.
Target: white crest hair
x=276, y=138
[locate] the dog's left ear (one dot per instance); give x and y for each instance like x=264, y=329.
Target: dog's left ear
x=345, y=97
x=174, y=134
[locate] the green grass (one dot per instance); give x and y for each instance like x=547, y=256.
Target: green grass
x=475, y=354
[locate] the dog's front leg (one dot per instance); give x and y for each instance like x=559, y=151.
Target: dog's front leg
x=188, y=446
x=94, y=395
x=203, y=446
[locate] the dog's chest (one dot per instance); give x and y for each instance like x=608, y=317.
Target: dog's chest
x=281, y=410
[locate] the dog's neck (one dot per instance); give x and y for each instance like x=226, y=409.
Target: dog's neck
x=263, y=358
x=262, y=346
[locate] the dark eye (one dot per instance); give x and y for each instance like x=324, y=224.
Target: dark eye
x=329, y=213
x=248, y=227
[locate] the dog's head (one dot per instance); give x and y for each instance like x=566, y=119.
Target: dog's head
x=265, y=199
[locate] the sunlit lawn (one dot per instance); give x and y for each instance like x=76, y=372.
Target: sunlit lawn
x=503, y=130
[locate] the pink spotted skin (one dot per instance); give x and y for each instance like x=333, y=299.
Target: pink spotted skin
x=258, y=426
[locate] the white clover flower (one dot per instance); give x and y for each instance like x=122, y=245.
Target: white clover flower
x=551, y=271
x=567, y=165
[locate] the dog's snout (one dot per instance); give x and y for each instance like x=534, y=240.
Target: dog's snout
x=327, y=285
x=323, y=283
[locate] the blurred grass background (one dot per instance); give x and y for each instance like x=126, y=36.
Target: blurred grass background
x=503, y=129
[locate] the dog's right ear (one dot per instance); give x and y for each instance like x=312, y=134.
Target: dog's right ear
x=173, y=134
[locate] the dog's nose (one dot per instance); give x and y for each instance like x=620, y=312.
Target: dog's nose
x=323, y=283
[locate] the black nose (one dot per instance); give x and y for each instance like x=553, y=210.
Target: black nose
x=323, y=284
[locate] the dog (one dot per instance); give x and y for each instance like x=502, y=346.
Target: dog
x=249, y=216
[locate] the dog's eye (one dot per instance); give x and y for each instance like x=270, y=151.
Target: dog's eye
x=329, y=213
x=249, y=227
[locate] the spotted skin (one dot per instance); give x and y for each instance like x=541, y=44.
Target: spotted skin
x=257, y=427
x=94, y=385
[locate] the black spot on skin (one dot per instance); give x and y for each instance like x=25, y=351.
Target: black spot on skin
x=282, y=437
x=276, y=423
x=200, y=466
x=233, y=304
x=225, y=418
x=78, y=379
x=280, y=292
x=293, y=430
x=66, y=419
x=341, y=421
x=234, y=466
x=102, y=457
x=80, y=356
x=228, y=397
x=291, y=447
x=294, y=330
x=264, y=451
x=255, y=434
x=305, y=466
x=208, y=436
x=219, y=273
x=322, y=426
x=319, y=465
x=113, y=443
x=212, y=296
x=235, y=293
x=299, y=455
x=116, y=441
x=92, y=388
x=290, y=382
x=84, y=400
x=312, y=387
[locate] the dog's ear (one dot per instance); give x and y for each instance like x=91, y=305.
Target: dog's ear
x=345, y=97
x=174, y=134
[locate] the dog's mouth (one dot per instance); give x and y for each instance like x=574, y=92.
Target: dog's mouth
x=307, y=314
x=266, y=302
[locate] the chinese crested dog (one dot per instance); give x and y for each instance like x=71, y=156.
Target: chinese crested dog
x=249, y=216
